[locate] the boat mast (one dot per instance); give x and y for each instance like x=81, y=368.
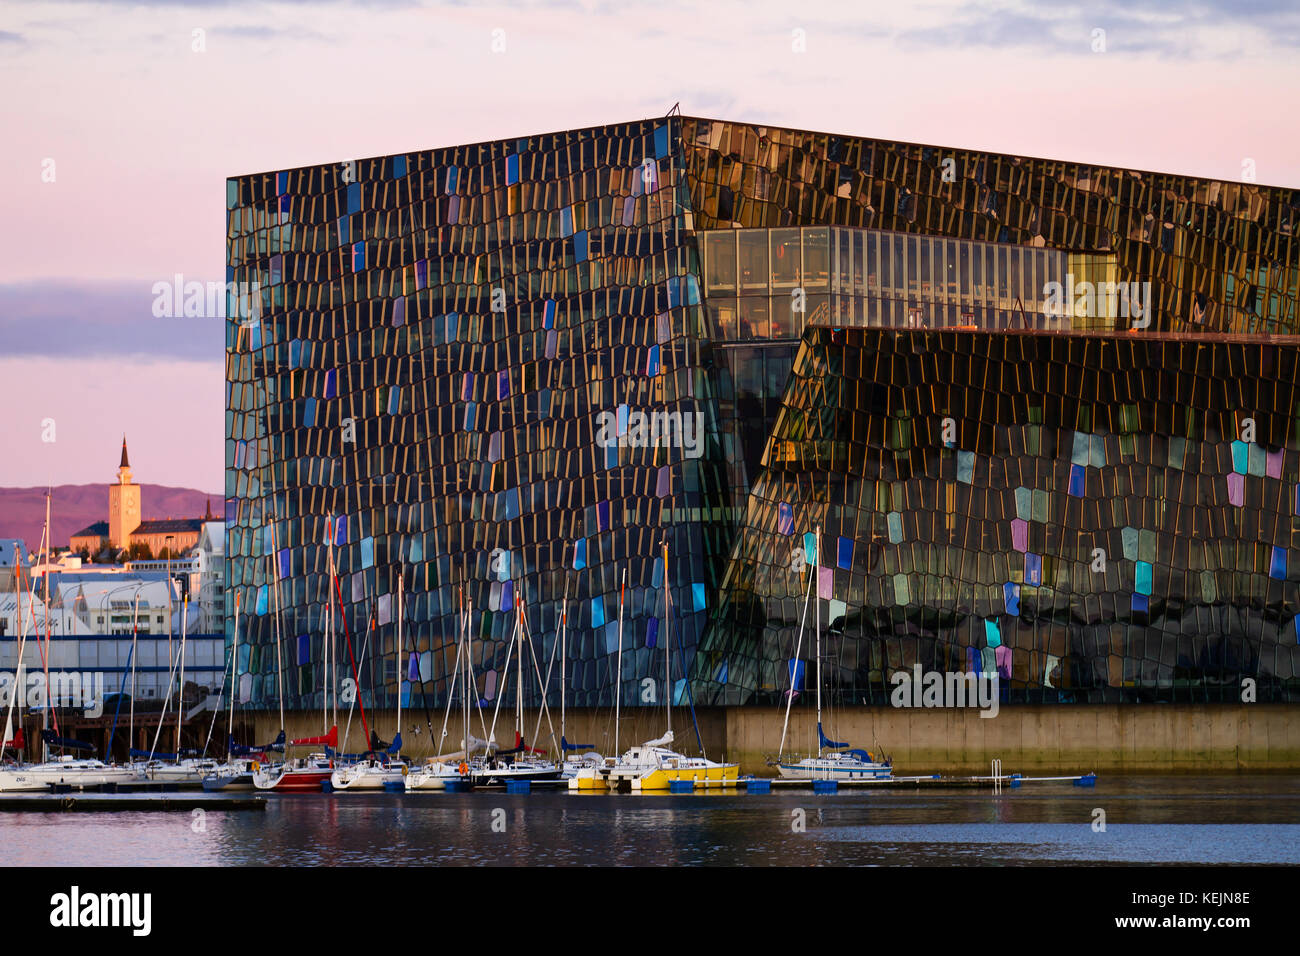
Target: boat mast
x=234, y=684
x=668, y=653
x=180, y=696
x=401, y=661
x=794, y=664
x=329, y=619
x=564, y=624
x=519, y=688
x=818, y=599
x=135, y=635
x=45, y=716
x=464, y=632
x=618, y=676
x=275, y=591
x=18, y=688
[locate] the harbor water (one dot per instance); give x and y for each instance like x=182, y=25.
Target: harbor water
x=1218, y=819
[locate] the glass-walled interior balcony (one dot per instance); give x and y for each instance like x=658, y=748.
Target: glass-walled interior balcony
x=767, y=284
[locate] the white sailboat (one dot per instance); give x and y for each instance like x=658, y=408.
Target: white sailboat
x=653, y=765
x=66, y=770
x=377, y=771
x=843, y=762
x=437, y=771
x=582, y=771
x=175, y=769
x=498, y=767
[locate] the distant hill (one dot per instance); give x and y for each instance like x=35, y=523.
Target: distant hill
x=73, y=507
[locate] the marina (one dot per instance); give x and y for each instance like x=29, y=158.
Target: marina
x=1216, y=818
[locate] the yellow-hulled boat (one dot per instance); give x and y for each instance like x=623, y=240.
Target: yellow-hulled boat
x=652, y=766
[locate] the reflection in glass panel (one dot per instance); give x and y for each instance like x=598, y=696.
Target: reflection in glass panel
x=785, y=258
x=859, y=264
x=816, y=258
x=1017, y=292
x=842, y=241
x=725, y=320
x=755, y=318
x=785, y=321
x=913, y=259
x=720, y=259
x=752, y=252
x=899, y=269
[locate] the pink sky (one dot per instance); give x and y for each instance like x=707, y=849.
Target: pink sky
x=143, y=132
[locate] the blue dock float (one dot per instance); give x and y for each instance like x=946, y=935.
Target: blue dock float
x=826, y=786
x=458, y=786
x=681, y=786
x=1087, y=780
x=326, y=786
x=519, y=786
x=758, y=785
x=395, y=786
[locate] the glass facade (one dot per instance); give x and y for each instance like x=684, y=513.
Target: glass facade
x=440, y=365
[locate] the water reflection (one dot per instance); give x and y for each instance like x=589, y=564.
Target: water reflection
x=1220, y=819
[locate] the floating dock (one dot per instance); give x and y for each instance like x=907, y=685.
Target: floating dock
x=86, y=802
x=1010, y=781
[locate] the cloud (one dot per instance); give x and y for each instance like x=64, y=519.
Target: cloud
x=8, y=38
x=1200, y=30
x=102, y=318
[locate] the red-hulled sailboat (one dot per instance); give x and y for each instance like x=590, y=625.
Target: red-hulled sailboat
x=301, y=774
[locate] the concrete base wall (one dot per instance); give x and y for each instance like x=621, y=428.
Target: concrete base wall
x=1028, y=739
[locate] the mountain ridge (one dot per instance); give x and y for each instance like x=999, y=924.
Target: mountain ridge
x=73, y=507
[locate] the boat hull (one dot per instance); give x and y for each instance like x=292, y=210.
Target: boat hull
x=292, y=781
x=39, y=777
x=499, y=778
x=822, y=769
x=721, y=775
x=214, y=783
x=587, y=779
x=365, y=780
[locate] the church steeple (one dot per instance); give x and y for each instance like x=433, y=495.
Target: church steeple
x=123, y=504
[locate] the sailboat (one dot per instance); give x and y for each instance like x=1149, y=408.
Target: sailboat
x=301, y=774
x=843, y=763
x=178, y=768
x=582, y=771
x=377, y=771
x=65, y=769
x=521, y=762
x=236, y=773
x=437, y=771
x=652, y=765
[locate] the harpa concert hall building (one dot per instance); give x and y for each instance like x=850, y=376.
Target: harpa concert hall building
x=1045, y=415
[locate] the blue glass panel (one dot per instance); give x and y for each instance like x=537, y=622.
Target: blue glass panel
x=785, y=518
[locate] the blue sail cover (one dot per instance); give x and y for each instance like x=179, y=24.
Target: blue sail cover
x=566, y=746
x=396, y=747
x=826, y=741
x=64, y=743
x=238, y=750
